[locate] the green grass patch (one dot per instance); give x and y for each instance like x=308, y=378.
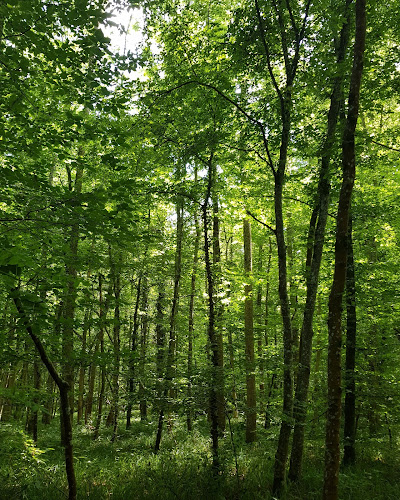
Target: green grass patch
x=128, y=468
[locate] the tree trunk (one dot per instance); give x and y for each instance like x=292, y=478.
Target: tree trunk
x=63, y=388
x=286, y=425
x=291, y=60
x=251, y=410
x=189, y=414
x=212, y=335
x=170, y=370
x=133, y=342
x=332, y=440
x=143, y=346
x=116, y=278
x=267, y=416
x=49, y=403
x=81, y=379
x=32, y=424
x=218, y=307
x=103, y=309
x=93, y=365
x=315, y=244
x=349, y=456
x=101, y=395
x=71, y=293
x=160, y=337
x=260, y=329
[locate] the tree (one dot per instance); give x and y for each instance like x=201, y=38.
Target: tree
x=315, y=245
x=332, y=455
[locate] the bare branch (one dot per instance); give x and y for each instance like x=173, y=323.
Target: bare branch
x=260, y=221
x=384, y=145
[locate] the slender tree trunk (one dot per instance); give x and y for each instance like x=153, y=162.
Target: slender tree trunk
x=91, y=383
x=267, y=419
x=70, y=299
x=212, y=336
x=232, y=369
x=218, y=307
x=81, y=383
x=133, y=342
x=260, y=328
x=32, y=424
x=251, y=410
x=189, y=414
x=116, y=277
x=291, y=61
x=63, y=388
x=71, y=293
x=93, y=365
x=170, y=370
x=286, y=425
x=143, y=347
x=103, y=309
x=349, y=456
x=85, y=333
x=101, y=393
x=332, y=442
x=160, y=337
x=316, y=237
x=49, y=402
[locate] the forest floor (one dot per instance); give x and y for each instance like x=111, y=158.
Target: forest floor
x=129, y=470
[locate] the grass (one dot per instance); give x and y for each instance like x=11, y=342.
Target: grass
x=129, y=470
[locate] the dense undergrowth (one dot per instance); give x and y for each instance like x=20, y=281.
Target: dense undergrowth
x=128, y=469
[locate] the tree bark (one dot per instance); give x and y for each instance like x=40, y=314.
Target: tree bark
x=332, y=440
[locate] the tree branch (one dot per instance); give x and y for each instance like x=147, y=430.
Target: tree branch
x=260, y=221
x=235, y=104
x=384, y=145
x=61, y=384
x=266, y=50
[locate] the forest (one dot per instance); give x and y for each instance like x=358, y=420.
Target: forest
x=199, y=248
